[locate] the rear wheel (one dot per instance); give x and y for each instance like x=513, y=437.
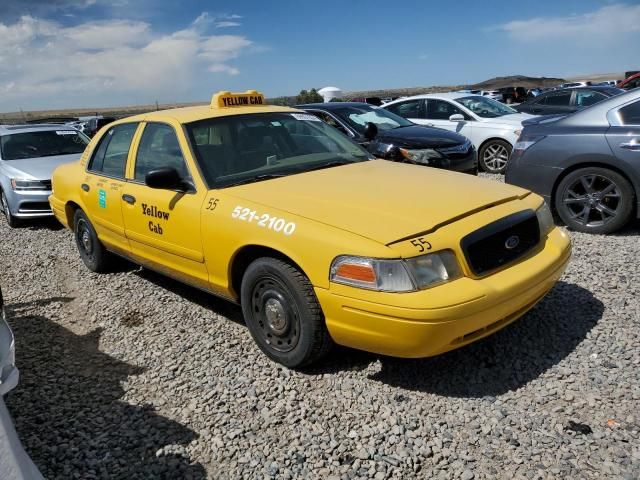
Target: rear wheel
x=283, y=314
x=594, y=200
x=12, y=221
x=91, y=250
x=494, y=155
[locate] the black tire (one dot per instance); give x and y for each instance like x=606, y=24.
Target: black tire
x=283, y=314
x=94, y=255
x=594, y=200
x=494, y=155
x=12, y=221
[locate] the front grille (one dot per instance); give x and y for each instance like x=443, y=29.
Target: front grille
x=501, y=242
x=46, y=184
x=35, y=207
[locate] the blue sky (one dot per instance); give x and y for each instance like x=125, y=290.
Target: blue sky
x=93, y=53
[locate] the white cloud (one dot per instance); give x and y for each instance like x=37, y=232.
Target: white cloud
x=606, y=24
x=43, y=63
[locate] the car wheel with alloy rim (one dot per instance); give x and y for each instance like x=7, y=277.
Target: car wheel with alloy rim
x=494, y=155
x=283, y=314
x=594, y=200
x=4, y=204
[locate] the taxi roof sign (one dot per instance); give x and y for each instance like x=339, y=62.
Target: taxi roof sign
x=226, y=99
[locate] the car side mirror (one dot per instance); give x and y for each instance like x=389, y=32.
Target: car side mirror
x=456, y=117
x=166, y=179
x=370, y=130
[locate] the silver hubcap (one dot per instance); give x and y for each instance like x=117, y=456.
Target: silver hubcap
x=495, y=156
x=592, y=200
x=276, y=316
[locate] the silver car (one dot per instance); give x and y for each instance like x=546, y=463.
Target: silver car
x=15, y=464
x=28, y=156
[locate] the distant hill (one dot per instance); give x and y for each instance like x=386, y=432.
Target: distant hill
x=516, y=81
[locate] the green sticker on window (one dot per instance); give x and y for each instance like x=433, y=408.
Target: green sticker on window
x=102, y=198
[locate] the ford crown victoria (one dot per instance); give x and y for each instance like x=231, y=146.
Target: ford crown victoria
x=317, y=240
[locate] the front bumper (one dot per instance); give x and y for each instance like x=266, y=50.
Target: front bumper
x=474, y=308
x=29, y=204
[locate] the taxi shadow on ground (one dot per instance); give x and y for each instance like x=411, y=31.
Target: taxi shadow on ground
x=68, y=413
x=504, y=361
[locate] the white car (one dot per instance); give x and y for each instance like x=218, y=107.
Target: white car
x=490, y=125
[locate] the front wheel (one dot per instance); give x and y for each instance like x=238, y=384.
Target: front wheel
x=91, y=250
x=594, y=200
x=494, y=155
x=283, y=314
x=12, y=221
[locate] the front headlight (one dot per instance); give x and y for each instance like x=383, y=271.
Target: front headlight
x=396, y=275
x=423, y=156
x=18, y=184
x=545, y=220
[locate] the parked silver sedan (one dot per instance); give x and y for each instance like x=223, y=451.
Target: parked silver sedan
x=15, y=464
x=28, y=156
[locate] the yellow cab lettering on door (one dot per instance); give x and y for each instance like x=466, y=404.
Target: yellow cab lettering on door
x=103, y=184
x=163, y=223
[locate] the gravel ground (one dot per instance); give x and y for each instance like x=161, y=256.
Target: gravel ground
x=130, y=375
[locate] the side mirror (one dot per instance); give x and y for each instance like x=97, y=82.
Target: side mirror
x=166, y=179
x=456, y=117
x=370, y=130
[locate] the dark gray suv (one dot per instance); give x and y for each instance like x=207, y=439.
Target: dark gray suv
x=586, y=165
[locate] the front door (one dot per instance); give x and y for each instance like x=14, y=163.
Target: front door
x=438, y=113
x=104, y=182
x=163, y=226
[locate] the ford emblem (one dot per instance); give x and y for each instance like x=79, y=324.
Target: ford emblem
x=512, y=242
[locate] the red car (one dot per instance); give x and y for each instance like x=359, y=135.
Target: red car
x=631, y=82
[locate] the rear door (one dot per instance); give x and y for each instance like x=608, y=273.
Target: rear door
x=104, y=182
x=413, y=110
x=163, y=226
x=624, y=137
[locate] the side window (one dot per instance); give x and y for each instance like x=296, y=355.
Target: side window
x=630, y=115
x=441, y=110
x=585, y=98
x=329, y=120
x=559, y=100
x=159, y=148
x=110, y=158
x=408, y=109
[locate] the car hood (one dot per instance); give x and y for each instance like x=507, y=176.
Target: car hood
x=515, y=119
x=36, y=168
x=378, y=199
x=417, y=136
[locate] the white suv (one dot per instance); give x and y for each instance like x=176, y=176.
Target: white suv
x=490, y=125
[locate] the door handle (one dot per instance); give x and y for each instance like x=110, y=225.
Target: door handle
x=85, y=187
x=631, y=146
x=130, y=199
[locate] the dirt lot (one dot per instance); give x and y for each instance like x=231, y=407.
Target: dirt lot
x=130, y=375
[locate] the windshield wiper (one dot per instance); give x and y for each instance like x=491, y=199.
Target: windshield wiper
x=257, y=178
x=334, y=163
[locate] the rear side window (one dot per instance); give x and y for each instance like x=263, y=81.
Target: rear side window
x=559, y=100
x=408, y=109
x=587, y=98
x=630, y=115
x=110, y=158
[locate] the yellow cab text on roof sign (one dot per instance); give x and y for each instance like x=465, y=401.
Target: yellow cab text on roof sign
x=229, y=99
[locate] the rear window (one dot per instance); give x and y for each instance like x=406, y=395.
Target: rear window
x=43, y=143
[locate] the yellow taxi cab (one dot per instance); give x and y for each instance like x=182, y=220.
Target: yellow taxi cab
x=318, y=241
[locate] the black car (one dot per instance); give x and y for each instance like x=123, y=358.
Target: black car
x=586, y=165
x=387, y=135
x=567, y=100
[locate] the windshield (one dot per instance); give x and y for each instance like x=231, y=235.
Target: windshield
x=43, y=143
x=358, y=116
x=245, y=148
x=485, y=107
